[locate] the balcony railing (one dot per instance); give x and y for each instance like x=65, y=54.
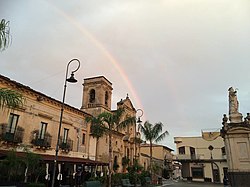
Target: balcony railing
x=200, y=157
x=65, y=145
x=190, y=157
x=41, y=141
x=11, y=135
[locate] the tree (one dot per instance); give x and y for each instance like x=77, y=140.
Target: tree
x=152, y=134
x=10, y=98
x=11, y=167
x=107, y=123
x=4, y=34
x=96, y=130
x=32, y=162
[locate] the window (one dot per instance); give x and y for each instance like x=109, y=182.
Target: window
x=42, y=131
x=92, y=96
x=223, y=151
x=13, y=120
x=106, y=98
x=197, y=172
x=182, y=150
x=65, y=135
x=192, y=152
x=83, y=138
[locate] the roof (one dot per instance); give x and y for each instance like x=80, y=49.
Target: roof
x=148, y=156
x=90, y=78
x=21, y=86
x=128, y=101
x=156, y=145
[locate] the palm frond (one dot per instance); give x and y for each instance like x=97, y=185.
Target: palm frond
x=97, y=129
x=10, y=98
x=5, y=38
x=152, y=132
x=161, y=137
x=157, y=128
x=128, y=121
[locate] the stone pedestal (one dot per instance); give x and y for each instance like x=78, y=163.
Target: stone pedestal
x=235, y=118
x=237, y=144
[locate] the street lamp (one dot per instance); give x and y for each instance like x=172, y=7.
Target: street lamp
x=139, y=122
x=135, y=160
x=210, y=147
x=71, y=80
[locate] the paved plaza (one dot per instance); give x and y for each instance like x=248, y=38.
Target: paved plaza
x=169, y=183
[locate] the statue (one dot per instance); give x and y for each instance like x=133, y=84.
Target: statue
x=233, y=102
x=224, y=119
x=234, y=115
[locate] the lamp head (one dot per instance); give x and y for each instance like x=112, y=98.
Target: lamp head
x=72, y=78
x=139, y=120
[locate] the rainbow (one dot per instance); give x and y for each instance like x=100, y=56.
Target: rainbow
x=106, y=53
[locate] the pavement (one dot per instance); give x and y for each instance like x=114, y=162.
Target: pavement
x=180, y=183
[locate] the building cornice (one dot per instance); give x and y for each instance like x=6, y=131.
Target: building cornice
x=40, y=97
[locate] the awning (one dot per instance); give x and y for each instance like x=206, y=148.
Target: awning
x=66, y=159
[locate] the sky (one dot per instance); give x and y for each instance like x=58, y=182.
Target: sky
x=175, y=59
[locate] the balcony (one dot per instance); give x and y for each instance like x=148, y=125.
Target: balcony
x=65, y=145
x=190, y=157
x=43, y=142
x=9, y=135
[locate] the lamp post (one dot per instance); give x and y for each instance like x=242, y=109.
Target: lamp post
x=71, y=80
x=210, y=147
x=135, y=160
x=139, y=122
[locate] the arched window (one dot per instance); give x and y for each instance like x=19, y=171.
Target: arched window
x=106, y=98
x=92, y=96
x=182, y=150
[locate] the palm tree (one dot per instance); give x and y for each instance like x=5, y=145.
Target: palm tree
x=96, y=130
x=152, y=134
x=107, y=123
x=10, y=98
x=4, y=34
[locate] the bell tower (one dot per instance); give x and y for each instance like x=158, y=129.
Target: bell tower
x=97, y=92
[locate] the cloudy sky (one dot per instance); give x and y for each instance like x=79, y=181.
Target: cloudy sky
x=175, y=59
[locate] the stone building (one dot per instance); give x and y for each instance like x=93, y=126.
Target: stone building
x=202, y=158
x=162, y=157
x=35, y=126
x=97, y=98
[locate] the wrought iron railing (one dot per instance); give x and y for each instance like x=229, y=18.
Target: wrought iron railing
x=11, y=135
x=65, y=145
x=42, y=141
x=190, y=157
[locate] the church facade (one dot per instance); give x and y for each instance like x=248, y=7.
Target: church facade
x=97, y=98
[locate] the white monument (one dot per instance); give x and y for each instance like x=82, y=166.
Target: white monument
x=236, y=134
x=234, y=115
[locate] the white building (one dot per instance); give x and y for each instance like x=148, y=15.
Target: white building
x=202, y=158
